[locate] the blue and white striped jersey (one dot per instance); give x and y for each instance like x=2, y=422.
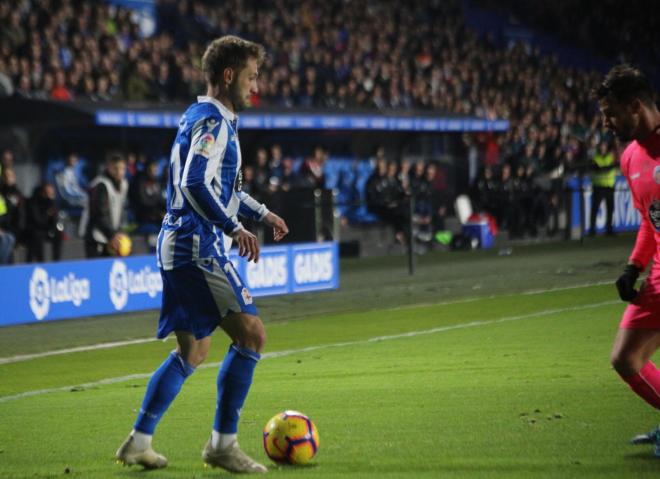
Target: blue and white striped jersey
x=203, y=197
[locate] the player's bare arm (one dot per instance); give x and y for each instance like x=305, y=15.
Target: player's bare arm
x=280, y=229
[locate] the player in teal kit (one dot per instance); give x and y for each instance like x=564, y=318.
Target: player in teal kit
x=201, y=288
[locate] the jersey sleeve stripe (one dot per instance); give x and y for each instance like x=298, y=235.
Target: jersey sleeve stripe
x=251, y=208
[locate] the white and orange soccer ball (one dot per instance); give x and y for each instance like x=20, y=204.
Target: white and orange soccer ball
x=291, y=437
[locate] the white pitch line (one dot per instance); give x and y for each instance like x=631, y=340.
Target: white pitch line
x=79, y=349
x=117, y=344
x=288, y=352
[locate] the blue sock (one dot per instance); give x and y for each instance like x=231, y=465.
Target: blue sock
x=163, y=387
x=234, y=380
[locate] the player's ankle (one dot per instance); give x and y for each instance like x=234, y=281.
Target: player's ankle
x=222, y=440
x=141, y=440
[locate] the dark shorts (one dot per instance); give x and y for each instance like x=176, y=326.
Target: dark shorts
x=198, y=295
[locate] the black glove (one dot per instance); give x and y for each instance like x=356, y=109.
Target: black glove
x=626, y=283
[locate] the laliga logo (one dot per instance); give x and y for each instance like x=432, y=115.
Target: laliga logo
x=45, y=290
x=124, y=282
x=118, y=285
x=39, y=293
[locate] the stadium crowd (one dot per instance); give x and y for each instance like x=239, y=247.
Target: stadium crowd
x=603, y=27
x=331, y=55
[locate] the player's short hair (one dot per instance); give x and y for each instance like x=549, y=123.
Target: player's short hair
x=229, y=52
x=625, y=83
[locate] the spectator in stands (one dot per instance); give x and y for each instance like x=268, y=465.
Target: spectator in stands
x=248, y=180
x=7, y=240
x=385, y=197
x=437, y=196
x=15, y=204
x=275, y=161
x=70, y=184
x=139, y=82
x=511, y=209
x=287, y=178
x=416, y=176
x=146, y=197
x=485, y=195
x=60, y=90
x=103, y=215
x=262, y=175
x=311, y=171
x=404, y=176
x=7, y=159
x=43, y=224
x=603, y=177
x=522, y=203
x=424, y=203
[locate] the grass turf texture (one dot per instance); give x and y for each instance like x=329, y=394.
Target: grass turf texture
x=508, y=385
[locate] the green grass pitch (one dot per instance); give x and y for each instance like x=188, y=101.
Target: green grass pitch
x=480, y=366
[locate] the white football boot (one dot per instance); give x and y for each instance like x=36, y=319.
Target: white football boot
x=232, y=459
x=128, y=454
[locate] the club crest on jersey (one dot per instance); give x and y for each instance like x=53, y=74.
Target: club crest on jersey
x=247, y=298
x=656, y=174
x=205, y=144
x=654, y=214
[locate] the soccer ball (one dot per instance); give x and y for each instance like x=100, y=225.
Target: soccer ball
x=291, y=437
x=125, y=246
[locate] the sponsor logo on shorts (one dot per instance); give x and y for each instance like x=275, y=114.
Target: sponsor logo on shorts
x=45, y=290
x=247, y=298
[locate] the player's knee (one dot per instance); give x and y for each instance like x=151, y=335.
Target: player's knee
x=199, y=358
x=254, y=334
x=257, y=336
x=195, y=358
x=626, y=364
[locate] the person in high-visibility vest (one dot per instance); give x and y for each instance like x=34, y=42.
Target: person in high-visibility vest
x=603, y=178
x=7, y=240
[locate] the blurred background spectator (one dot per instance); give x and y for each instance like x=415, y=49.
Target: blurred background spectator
x=70, y=183
x=44, y=224
x=146, y=198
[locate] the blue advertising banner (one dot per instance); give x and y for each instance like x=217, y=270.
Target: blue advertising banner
x=309, y=121
x=625, y=218
x=71, y=289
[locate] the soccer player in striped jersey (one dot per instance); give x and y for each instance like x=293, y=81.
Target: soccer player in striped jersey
x=201, y=288
x=627, y=103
